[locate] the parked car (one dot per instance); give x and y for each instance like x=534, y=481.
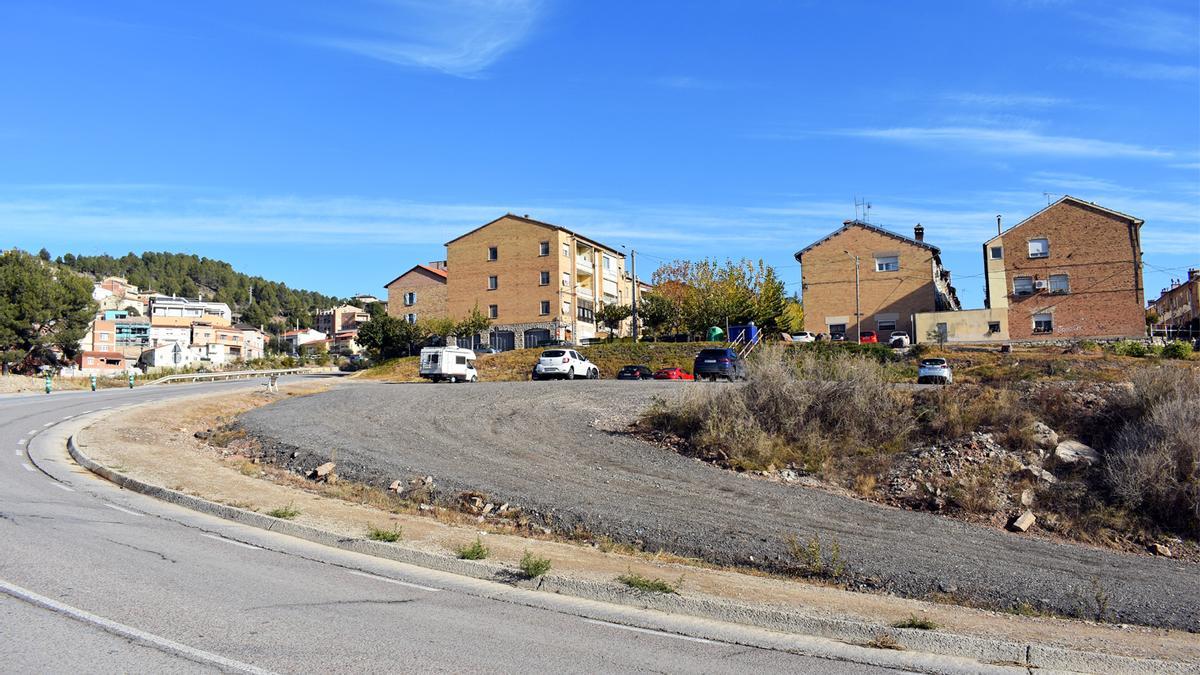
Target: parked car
x=934, y=371
x=484, y=349
x=837, y=337
x=804, y=336
x=717, y=363
x=564, y=363
x=635, y=373
x=898, y=339
x=556, y=342
x=868, y=336
x=448, y=364
x=673, y=374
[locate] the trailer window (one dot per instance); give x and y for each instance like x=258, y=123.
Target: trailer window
x=433, y=358
x=460, y=360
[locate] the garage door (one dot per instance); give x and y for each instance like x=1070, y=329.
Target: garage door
x=504, y=340
x=534, y=337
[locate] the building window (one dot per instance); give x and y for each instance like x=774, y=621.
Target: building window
x=544, y=310
x=587, y=311
x=885, y=326
x=887, y=263
x=566, y=308
x=1060, y=283
x=837, y=329
x=544, y=248
x=1039, y=248
x=493, y=311
x=493, y=253
x=997, y=253
x=411, y=318
x=410, y=298
x=993, y=326
x=566, y=280
x=566, y=250
x=493, y=283
x=544, y=280
x=1043, y=323
x=1023, y=286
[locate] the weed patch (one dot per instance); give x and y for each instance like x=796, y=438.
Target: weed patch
x=917, y=622
x=284, y=512
x=533, y=566
x=378, y=534
x=655, y=585
x=473, y=551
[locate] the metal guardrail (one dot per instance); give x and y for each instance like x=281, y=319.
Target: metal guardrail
x=229, y=375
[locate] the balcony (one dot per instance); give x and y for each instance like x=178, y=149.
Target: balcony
x=584, y=292
x=584, y=265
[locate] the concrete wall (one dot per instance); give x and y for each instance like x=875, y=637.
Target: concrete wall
x=968, y=325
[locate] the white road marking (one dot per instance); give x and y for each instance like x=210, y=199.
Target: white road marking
x=21, y=442
x=85, y=412
x=28, y=467
x=60, y=486
x=650, y=632
x=394, y=581
x=230, y=541
x=68, y=417
x=33, y=431
x=110, y=626
x=18, y=451
x=118, y=508
x=48, y=424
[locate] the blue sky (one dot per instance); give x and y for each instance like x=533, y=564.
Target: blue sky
x=333, y=145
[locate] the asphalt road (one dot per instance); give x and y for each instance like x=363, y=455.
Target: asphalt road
x=538, y=445
x=96, y=579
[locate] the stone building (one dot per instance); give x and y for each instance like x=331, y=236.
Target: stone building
x=898, y=276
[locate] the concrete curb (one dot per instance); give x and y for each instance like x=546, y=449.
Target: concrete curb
x=982, y=650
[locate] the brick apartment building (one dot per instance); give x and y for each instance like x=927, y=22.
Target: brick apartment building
x=1071, y=270
x=534, y=280
x=341, y=318
x=898, y=277
x=419, y=293
x=1178, y=308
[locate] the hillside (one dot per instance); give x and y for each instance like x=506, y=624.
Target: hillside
x=189, y=276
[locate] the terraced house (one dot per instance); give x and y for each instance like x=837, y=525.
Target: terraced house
x=1072, y=270
x=419, y=293
x=863, y=275
x=536, y=281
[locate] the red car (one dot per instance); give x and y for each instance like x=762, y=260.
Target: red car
x=868, y=336
x=672, y=374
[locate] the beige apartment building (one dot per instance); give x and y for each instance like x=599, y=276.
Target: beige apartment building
x=419, y=293
x=341, y=318
x=536, y=281
x=1178, y=308
x=898, y=276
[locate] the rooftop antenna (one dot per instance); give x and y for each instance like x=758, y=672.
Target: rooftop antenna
x=862, y=210
x=1048, y=196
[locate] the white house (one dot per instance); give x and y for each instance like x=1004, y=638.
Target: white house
x=295, y=338
x=171, y=355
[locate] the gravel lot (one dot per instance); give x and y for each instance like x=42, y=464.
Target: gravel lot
x=548, y=447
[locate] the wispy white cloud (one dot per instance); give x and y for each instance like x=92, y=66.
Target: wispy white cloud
x=1148, y=28
x=1076, y=182
x=457, y=37
x=1140, y=70
x=997, y=100
x=1009, y=142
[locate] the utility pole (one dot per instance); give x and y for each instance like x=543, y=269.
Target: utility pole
x=857, y=310
x=633, y=270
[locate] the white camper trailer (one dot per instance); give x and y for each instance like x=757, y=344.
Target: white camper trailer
x=452, y=364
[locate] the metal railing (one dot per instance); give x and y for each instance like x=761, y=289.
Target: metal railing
x=228, y=375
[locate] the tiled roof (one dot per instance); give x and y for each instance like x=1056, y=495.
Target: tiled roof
x=874, y=228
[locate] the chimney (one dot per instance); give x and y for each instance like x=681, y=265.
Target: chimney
x=919, y=233
x=1193, y=274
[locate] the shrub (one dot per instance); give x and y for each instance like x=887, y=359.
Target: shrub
x=918, y=350
x=1089, y=345
x=285, y=512
x=1153, y=465
x=952, y=412
x=1129, y=348
x=800, y=407
x=918, y=622
x=377, y=534
x=1177, y=349
x=532, y=566
x=656, y=585
x=473, y=551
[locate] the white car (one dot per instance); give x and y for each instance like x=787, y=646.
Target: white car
x=565, y=363
x=934, y=371
x=898, y=338
x=804, y=337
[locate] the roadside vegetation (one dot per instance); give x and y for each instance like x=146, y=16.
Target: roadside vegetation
x=473, y=551
x=985, y=452
x=533, y=566
x=656, y=585
x=284, y=512
x=379, y=534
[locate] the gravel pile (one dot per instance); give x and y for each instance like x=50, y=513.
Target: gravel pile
x=553, y=449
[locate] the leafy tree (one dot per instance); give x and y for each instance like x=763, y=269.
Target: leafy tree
x=388, y=337
x=792, y=320
x=475, y=323
x=611, y=317
x=43, y=309
x=437, y=327
x=656, y=312
x=770, y=300
x=711, y=293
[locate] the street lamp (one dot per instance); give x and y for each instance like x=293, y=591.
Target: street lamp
x=857, y=312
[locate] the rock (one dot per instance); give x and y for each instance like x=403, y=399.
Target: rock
x=503, y=508
x=1022, y=522
x=394, y=487
x=947, y=587
x=323, y=472
x=488, y=508
x=1070, y=452
x=1027, y=497
x=1038, y=473
x=1044, y=436
x=1159, y=549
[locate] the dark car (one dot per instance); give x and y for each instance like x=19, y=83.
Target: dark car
x=635, y=373
x=723, y=362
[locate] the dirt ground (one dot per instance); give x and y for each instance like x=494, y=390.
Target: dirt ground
x=171, y=456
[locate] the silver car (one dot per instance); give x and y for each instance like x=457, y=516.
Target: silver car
x=934, y=371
